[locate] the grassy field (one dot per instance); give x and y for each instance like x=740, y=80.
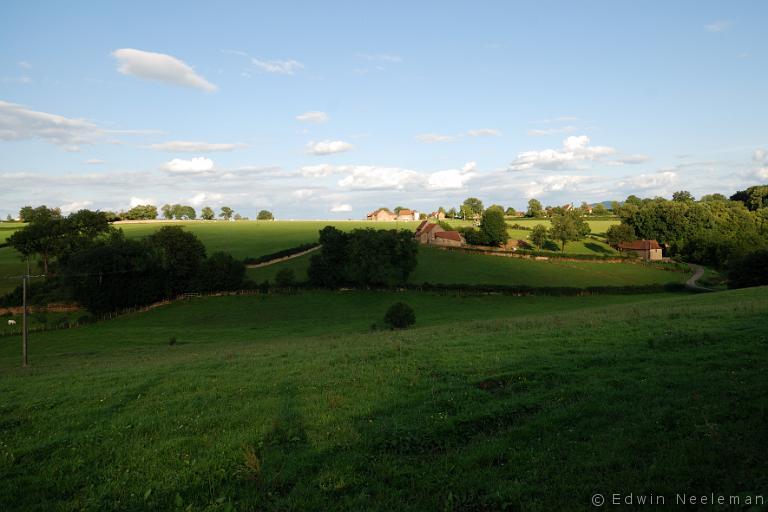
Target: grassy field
x=253, y=239
x=438, y=266
x=290, y=402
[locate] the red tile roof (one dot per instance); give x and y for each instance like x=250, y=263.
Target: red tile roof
x=640, y=245
x=421, y=226
x=449, y=235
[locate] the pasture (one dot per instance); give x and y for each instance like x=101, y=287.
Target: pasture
x=438, y=266
x=252, y=239
x=292, y=402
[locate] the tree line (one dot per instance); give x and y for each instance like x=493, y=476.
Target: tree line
x=151, y=212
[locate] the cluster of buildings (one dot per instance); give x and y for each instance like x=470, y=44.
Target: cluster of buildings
x=384, y=214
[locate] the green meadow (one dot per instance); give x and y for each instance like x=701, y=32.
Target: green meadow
x=296, y=402
x=437, y=266
x=253, y=239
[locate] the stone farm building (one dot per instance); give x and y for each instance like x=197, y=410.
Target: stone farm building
x=649, y=250
x=382, y=214
x=406, y=214
x=432, y=234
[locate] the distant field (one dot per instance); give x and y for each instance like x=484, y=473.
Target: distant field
x=599, y=227
x=438, y=266
x=291, y=403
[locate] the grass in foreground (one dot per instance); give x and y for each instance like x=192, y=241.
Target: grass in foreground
x=529, y=410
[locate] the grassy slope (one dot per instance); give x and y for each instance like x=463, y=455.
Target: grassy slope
x=448, y=267
x=535, y=411
x=243, y=239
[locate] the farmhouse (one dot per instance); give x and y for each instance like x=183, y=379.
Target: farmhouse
x=649, y=250
x=406, y=214
x=382, y=214
x=439, y=215
x=432, y=234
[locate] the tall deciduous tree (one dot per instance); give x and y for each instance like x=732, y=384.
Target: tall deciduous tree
x=539, y=235
x=534, y=208
x=226, y=212
x=207, y=213
x=568, y=226
x=493, y=227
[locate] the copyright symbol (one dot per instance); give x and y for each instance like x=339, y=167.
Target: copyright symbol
x=598, y=500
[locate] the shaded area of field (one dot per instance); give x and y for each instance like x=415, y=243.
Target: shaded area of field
x=535, y=411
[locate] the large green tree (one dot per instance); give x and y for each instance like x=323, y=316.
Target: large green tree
x=493, y=226
x=539, y=235
x=568, y=226
x=226, y=212
x=141, y=212
x=207, y=213
x=534, y=208
x=472, y=207
x=180, y=254
x=265, y=215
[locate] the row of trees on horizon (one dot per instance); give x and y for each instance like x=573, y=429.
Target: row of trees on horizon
x=149, y=212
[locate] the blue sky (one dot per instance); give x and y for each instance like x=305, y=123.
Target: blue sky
x=329, y=110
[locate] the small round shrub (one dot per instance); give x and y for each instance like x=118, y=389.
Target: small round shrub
x=399, y=316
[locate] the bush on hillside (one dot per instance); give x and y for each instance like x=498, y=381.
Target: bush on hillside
x=749, y=270
x=399, y=316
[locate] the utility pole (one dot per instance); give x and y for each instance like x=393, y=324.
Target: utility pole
x=25, y=322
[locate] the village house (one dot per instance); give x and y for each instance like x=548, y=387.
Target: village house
x=649, y=250
x=406, y=214
x=433, y=234
x=439, y=215
x=382, y=214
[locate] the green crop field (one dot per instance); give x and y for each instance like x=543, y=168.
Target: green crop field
x=292, y=402
x=438, y=266
x=244, y=239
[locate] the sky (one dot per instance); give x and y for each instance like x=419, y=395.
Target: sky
x=328, y=110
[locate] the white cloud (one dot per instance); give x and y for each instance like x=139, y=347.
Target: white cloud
x=633, y=159
x=435, y=137
x=718, y=26
x=451, y=179
x=75, y=206
x=328, y=147
x=136, y=201
x=484, y=132
x=18, y=122
x=186, y=146
x=372, y=177
x=317, y=171
x=343, y=207
x=313, y=116
x=206, y=198
x=25, y=65
x=760, y=156
x=281, y=67
x=541, y=132
x=94, y=161
x=160, y=67
x=575, y=149
x=657, y=180
x=303, y=193
x=548, y=184
x=196, y=165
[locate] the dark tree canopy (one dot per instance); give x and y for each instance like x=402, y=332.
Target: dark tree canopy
x=220, y=272
x=754, y=198
x=180, y=254
x=265, y=215
x=363, y=257
x=493, y=227
x=207, y=213
x=619, y=233
x=539, y=235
